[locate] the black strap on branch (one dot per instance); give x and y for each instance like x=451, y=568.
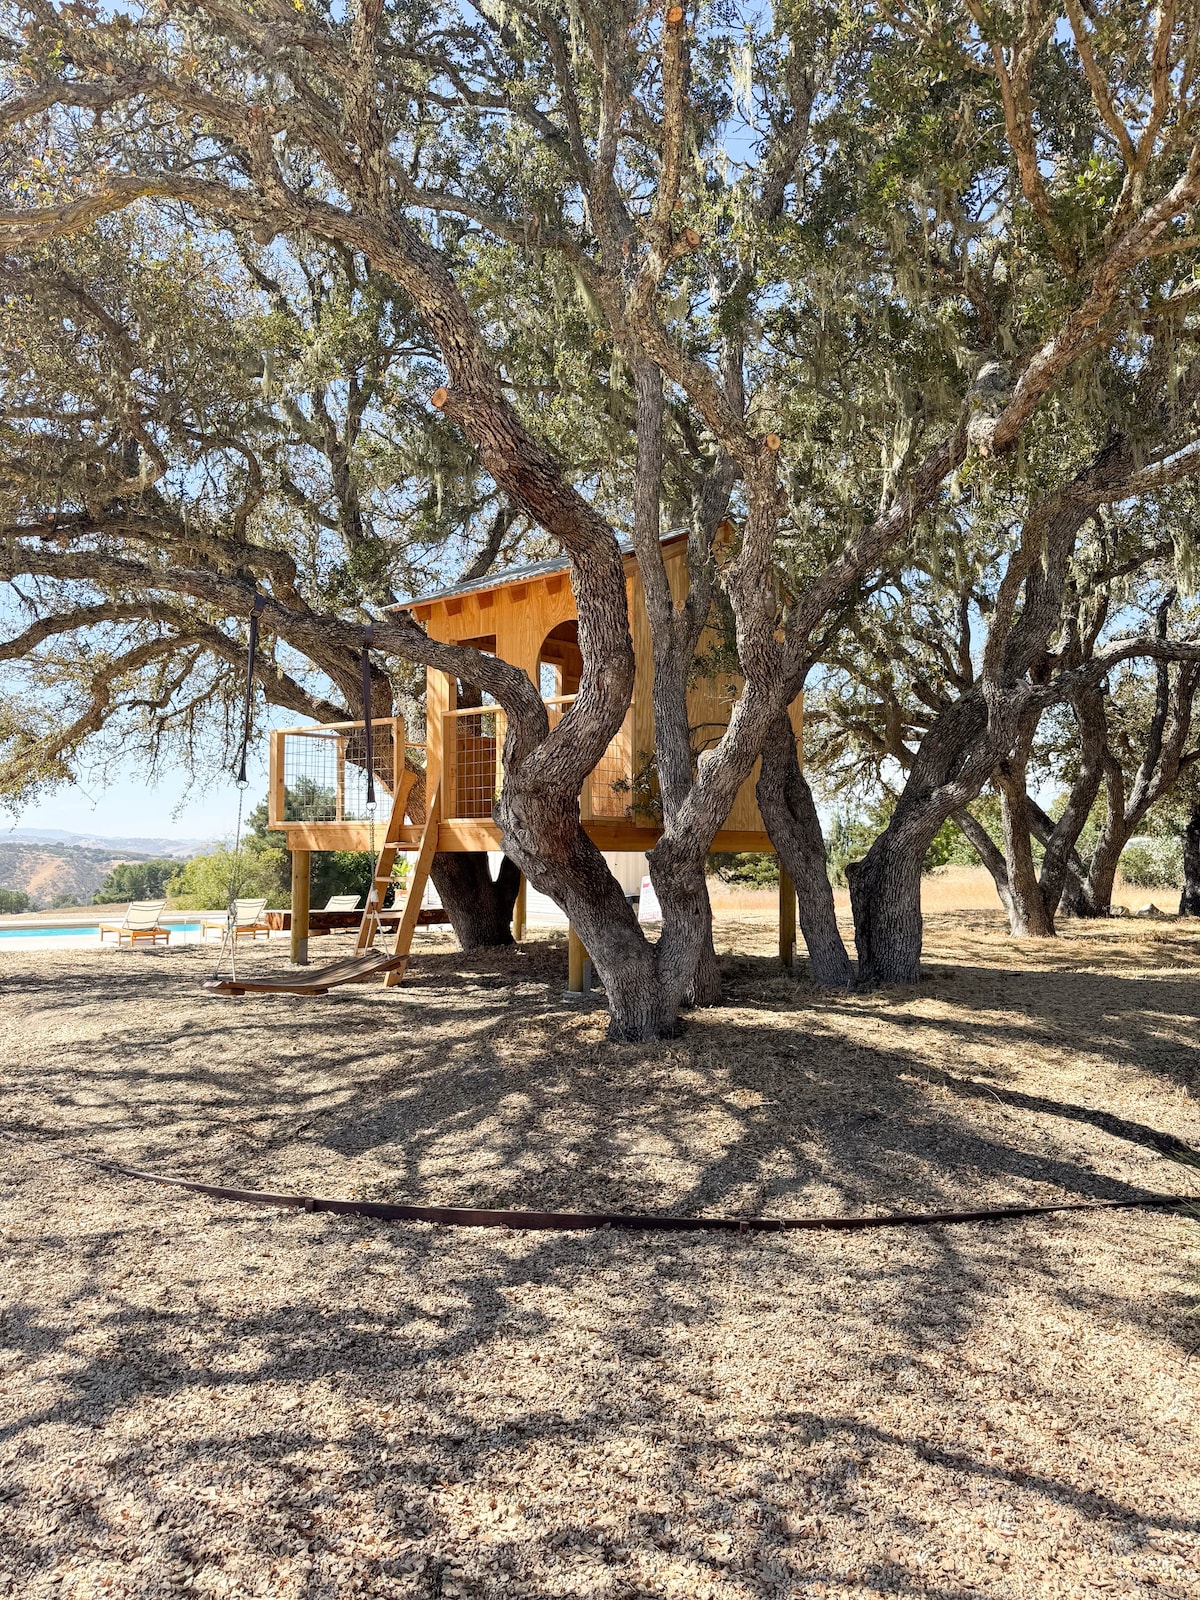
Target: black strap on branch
x=368, y=736
x=257, y=610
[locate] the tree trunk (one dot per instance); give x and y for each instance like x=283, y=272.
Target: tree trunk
x=1028, y=917
x=479, y=906
x=1061, y=877
x=885, y=896
x=785, y=803
x=992, y=857
x=953, y=763
x=1096, y=900
x=1189, y=900
x=685, y=960
x=705, y=987
x=543, y=835
x=685, y=955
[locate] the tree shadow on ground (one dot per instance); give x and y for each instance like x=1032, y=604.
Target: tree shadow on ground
x=398, y=1379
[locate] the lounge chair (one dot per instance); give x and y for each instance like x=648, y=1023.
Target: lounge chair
x=341, y=902
x=141, y=922
x=247, y=921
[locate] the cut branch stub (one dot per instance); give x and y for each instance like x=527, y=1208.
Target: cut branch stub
x=772, y=442
x=691, y=238
x=439, y=397
x=675, y=16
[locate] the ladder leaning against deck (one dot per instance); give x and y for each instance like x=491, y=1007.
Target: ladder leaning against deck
x=369, y=925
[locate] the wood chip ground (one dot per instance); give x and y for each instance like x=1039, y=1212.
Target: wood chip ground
x=200, y=1398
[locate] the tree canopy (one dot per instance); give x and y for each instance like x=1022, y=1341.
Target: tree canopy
x=904, y=300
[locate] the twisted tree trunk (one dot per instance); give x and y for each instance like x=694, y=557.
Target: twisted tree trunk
x=989, y=853
x=1029, y=917
x=479, y=906
x=1189, y=900
x=948, y=771
x=785, y=803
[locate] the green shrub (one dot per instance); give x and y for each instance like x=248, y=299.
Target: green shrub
x=848, y=839
x=136, y=880
x=1153, y=863
x=339, y=872
x=748, y=869
x=265, y=869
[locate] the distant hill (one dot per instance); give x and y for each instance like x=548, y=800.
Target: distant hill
x=126, y=848
x=47, y=869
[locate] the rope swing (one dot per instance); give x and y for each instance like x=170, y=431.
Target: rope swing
x=366, y=960
x=369, y=758
x=242, y=783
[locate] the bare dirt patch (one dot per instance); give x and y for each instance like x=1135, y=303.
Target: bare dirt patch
x=203, y=1398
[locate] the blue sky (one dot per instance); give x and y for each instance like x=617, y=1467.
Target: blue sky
x=131, y=807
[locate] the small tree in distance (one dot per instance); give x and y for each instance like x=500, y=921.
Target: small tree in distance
x=136, y=880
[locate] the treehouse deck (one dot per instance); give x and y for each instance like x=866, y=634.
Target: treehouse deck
x=525, y=616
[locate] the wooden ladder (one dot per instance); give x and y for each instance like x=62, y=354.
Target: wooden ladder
x=407, y=925
x=384, y=863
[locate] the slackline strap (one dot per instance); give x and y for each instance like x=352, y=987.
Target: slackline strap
x=368, y=732
x=576, y=1221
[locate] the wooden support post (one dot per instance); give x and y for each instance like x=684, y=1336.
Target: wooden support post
x=519, y=912
x=579, y=965
x=787, y=919
x=300, y=901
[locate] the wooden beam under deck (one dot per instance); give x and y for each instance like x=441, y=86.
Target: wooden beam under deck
x=470, y=833
x=344, y=835
x=460, y=834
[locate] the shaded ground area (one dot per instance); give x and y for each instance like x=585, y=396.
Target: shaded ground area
x=203, y=1398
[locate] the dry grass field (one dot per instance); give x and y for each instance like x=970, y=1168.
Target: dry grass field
x=947, y=889
x=208, y=1399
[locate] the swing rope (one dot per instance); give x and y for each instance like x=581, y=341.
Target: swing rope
x=242, y=782
x=374, y=897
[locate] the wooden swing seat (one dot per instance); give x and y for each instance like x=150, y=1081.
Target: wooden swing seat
x=351, y=969
x=366, y=962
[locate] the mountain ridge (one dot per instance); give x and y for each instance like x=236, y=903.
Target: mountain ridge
x=49, y=868
x=134, y=844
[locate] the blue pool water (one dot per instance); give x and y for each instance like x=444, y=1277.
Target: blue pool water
x=83, y=928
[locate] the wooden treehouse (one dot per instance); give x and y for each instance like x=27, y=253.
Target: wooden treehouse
x=525, y=616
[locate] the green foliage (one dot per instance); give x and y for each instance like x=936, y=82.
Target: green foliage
x=949, y=849
x=848, y=839
x=203, y=883
x=136, y=880
x=747, y=869
x=305, y=800
x=1153, y=863
x=265, y=868
x=13, y=900
x=339, y=872
x=261, y=868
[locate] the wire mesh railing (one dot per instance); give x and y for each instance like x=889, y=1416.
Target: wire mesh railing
x=474, y=744
x=320, y=773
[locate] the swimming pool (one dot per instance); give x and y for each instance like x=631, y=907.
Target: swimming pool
x=79, y=929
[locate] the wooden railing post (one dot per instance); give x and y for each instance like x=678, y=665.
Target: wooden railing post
x=450, y=759
x=276, y=790
x=340, y=781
